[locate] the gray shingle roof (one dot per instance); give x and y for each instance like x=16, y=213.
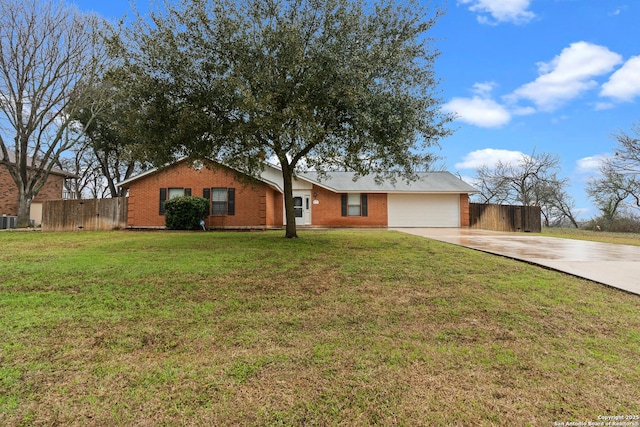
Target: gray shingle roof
x=428, y=182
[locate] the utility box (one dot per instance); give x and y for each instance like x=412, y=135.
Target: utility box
x=8, y=222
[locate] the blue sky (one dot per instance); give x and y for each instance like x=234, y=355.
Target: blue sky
x=552, y=76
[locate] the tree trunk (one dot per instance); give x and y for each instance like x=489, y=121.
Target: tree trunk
x=290, y=214
x=24, y=209
x=545, y=218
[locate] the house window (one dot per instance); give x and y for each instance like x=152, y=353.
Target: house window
x=355, y=204
x=222, y=200
x=170, y=193
x=297, y=207
x=218, y=201
x=176, y=192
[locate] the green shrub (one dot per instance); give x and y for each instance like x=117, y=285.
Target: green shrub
x=185, y=213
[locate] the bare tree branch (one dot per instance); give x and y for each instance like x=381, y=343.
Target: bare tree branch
x=531, y=181
x=50, y=56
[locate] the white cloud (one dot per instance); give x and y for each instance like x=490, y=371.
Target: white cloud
x=484, y=89
x=617, y=11
x=523, y=111
x=624, y=84
x=591, y=164
x=568, y=75
x=513, y=11
x=478, y=111
x=601, y=106
x=559, y=119
x=488, y=157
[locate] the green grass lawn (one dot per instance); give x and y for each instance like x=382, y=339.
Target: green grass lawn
x=334, y=328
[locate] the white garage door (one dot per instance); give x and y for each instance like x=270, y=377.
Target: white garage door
x=424, y=210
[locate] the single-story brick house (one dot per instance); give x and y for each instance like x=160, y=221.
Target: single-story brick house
x=53, y=189
x=437, y=199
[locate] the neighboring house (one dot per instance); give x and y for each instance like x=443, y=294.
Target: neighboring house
x=437, y=199
x=52, y=190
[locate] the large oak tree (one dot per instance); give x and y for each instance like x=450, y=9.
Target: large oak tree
x=323, y=84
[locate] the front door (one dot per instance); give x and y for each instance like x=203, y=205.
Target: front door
x=302, y=209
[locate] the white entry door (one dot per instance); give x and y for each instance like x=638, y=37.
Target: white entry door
x=302, y=208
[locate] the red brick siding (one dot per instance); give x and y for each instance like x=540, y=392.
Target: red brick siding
x=465, y=220
x=8, y=193
x=252, y=201
x=52, y=190
x=275, y=208
x=328, y=210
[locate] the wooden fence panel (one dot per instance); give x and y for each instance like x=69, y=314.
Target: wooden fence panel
x=505, y=217
x=84, y=214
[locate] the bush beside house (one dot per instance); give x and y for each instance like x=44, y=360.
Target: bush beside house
x=186, y=212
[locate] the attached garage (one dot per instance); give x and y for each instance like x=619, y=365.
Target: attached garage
x=423, y=210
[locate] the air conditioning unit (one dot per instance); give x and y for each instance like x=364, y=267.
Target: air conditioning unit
x=8, y=222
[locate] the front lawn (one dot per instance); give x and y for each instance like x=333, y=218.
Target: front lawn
x=335, y=328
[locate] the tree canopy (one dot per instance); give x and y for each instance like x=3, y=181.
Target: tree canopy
x=322, y=84
x=109, y=137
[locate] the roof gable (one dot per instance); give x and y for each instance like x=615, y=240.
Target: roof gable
x=265, y=177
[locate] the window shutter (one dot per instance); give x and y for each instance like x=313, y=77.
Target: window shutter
x=187, y=191
x=364, y=205
x=231, y=201
x=344, y=205
x=163, y=197
x=206, y=194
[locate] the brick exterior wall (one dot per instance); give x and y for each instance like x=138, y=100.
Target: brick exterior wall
x=465, y=220
x=328, y=211
x=52, y=190
x=256, y=204
x=274, y=208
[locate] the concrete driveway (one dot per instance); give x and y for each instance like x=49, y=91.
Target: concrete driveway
x=617, y=266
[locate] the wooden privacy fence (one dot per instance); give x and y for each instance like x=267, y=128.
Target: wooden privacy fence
x=505, y=217
x=89, y=214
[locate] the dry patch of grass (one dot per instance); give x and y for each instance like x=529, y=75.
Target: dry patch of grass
x=338, y=327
